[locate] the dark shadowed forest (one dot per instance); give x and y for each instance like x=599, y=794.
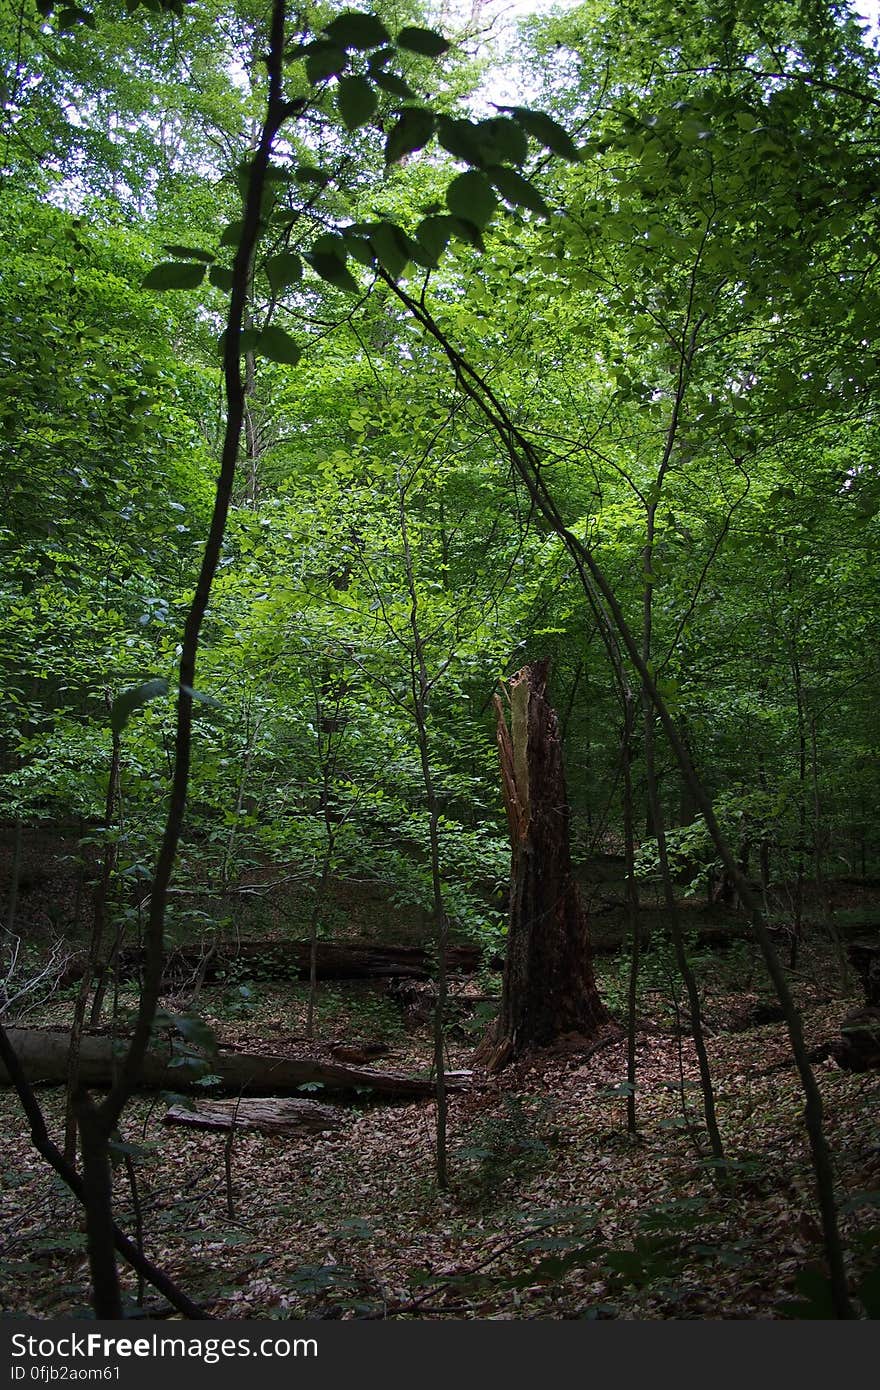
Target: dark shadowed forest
x=439, y=720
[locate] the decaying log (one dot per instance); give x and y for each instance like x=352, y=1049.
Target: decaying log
x=268, y=1116
x=43, y=1055
x=285, y=960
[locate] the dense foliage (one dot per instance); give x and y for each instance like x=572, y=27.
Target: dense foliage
x=683, y=320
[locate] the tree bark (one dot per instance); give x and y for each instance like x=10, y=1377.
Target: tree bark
x=549, y=989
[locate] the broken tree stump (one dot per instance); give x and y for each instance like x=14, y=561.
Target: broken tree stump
x=549, y=989
x=270, y=1115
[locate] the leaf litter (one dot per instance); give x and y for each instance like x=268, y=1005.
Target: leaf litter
x=553, y=1210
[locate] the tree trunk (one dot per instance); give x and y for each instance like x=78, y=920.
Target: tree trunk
x=549, y=989
x=99, y=923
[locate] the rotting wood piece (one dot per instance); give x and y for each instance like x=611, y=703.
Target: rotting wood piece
x=43, y=1056
x=269, y=1115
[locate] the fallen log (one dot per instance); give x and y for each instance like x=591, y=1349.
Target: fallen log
x=268, y=1116
x=43, y=1056
x=289, y=960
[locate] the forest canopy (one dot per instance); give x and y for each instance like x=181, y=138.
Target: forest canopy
x=718, y=217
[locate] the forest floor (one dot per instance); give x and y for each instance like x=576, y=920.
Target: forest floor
x=553, y=1210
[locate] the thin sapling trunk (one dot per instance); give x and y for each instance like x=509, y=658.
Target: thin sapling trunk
x=420, y=685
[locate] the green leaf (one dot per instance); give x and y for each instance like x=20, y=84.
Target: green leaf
x=283, y=269
x=545, y=130
x=324, y=59
x=425, y=41
x=434, y=235
x=460, y=138
x=379, y=60
x=333, y=270
x=817, y=1303
x=278, y=346
x=247, y=341
x=232, y=233
x=411, y=132
x=502, y=140
x=869, y=1293
x=865, y=1197
x=195, y=1030
x=201, y=698
x=629, y=1263
x=623, y=1088
x=308, y=173
x=119, y=1149
x=220, y=276
x=242, y=176
x=416, y=253
x=174, y=275
x=330, y=244
x=359, y=249
x=517, y=190
x=190, y=253
x=353, y=29
x=393, y=83
x=356, y=101
x=467, y=231
x=129, y=700
x=470, y=197
x=70, y=17
x=390, y=246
